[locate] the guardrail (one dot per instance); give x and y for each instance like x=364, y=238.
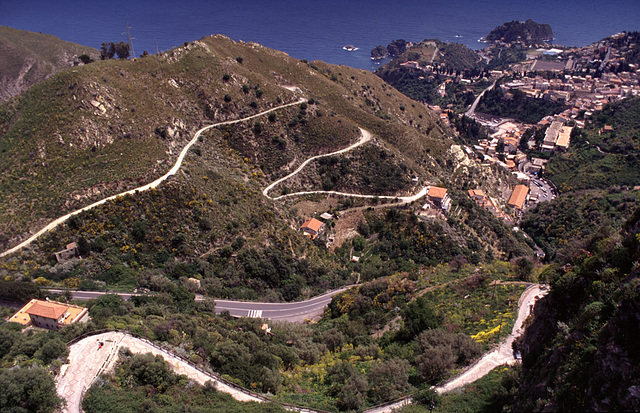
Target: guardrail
x=211, y=374
x=288, y=406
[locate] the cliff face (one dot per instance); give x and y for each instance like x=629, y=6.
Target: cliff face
x=28, y=58
x=580, y=352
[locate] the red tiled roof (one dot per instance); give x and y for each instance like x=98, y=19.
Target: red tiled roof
x=312, y=224
x=437, y=192
x=518, y=196
x=48, y=310
x=476, y=192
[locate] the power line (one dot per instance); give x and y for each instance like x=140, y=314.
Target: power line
x=130, y=39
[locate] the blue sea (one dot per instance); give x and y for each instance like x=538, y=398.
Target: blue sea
x=313, y=30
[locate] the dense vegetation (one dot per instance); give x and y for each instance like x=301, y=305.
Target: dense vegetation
x=579, y=353
x=124, y=246
x=147, y=383
x=599, y=158
x=439, y=319
x=28, y=360
x=516, y=104
x=448, y=62
x=561, y=225
x=492, y=393
x=413, y=83
x=528, y=32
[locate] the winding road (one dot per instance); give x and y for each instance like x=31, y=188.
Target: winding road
x=503, y=354
x=146, y=187
x=87, y=361
x=366, y=137
x=297, y=312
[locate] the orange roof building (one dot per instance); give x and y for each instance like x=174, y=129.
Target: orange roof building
x=519, y=196
x=312, y=227
x=439, y=196
x=437, y=192
x=49, y=314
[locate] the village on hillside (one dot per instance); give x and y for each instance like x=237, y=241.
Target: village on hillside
x=584, y=79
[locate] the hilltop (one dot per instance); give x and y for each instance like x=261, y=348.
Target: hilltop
x=97, y=130
x=527, y=32
x=27, y=58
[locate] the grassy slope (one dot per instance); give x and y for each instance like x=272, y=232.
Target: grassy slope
x=62, y=152
x=99, y=129
x=27, y=58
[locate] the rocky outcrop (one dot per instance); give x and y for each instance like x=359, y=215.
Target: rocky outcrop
x=28, y=58
x=528, y=32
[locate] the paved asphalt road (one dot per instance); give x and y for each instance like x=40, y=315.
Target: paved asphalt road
x=296, y=311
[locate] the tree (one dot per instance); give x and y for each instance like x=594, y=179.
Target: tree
x=28, y=390
x=107, y=305
x=122, y=49
x=352, y=396
x=83, y=247
x=108, y=51
x=347, y=385
x=438, y=350
x=434, y=362
x=51, y=350
x=419, y=316
x=84, y=58
x=523, y=269
x=389, y=380
x=147, y=369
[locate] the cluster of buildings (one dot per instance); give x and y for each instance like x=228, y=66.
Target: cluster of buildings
x=483, y=200
x=583, y=94
x=557, y=137
x=586, y=78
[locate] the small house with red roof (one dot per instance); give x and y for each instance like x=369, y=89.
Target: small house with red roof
x=312, y=227
x=439, y=197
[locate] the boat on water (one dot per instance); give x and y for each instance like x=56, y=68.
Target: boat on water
x=350, y=48
x=458, y=35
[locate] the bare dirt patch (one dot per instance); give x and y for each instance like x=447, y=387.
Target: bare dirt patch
x=307, y=209
x=346, y=227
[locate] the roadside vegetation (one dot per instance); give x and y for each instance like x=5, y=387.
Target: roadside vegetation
x=144, y=382
x=389, y=337
x=585, y=324
x=29, y=360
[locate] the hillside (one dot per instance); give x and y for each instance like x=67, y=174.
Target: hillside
x=579, y=353
x=27, y=58
x=95, y=130
x=605, y=153
x=430, y=72
x=561, y=225
x=101, y=129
